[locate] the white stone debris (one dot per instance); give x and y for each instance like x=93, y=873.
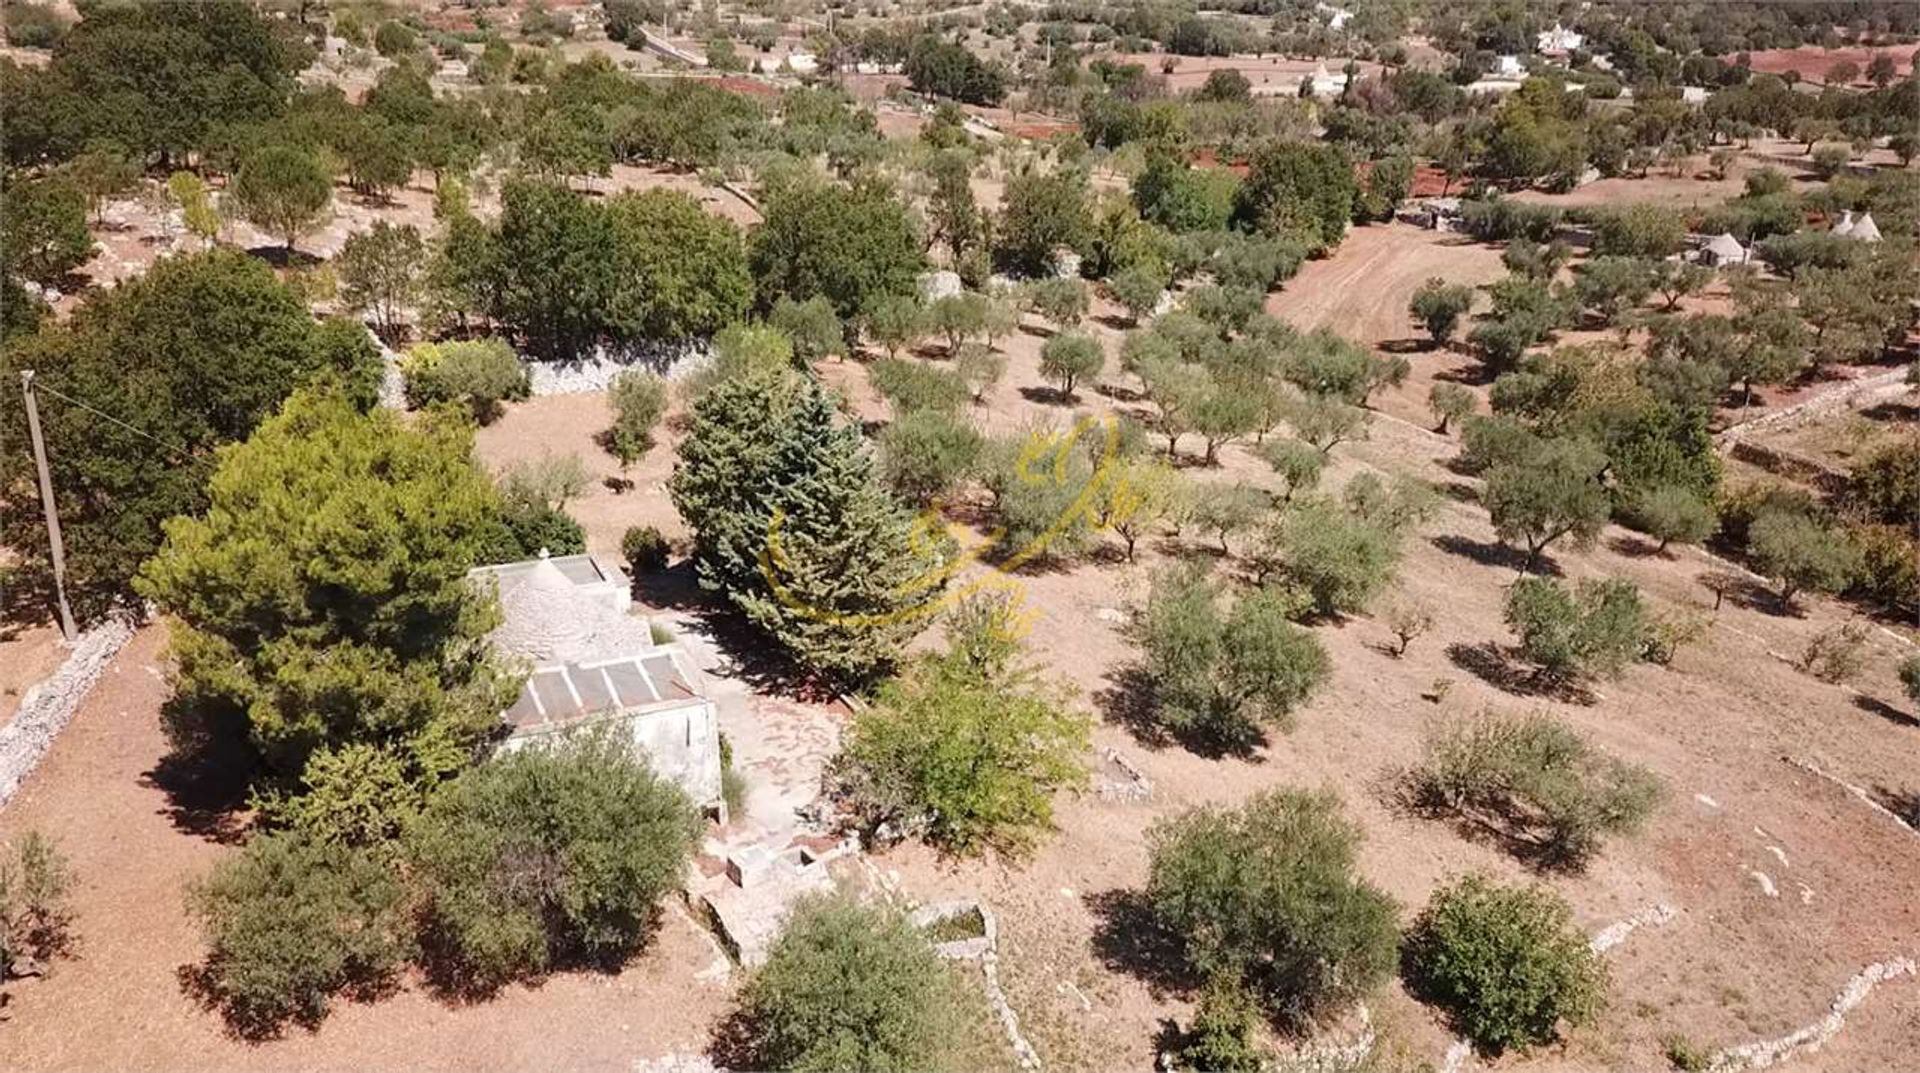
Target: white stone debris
x=49, y=703
x=1780, y=855
x=1707, y=801
x=1765, y=1053
x=1614, y=934
x=1766, y=883
x=1812, y=768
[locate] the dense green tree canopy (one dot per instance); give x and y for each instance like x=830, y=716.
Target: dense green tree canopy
x=854, y=246
x=192, y=355
x=322, y=601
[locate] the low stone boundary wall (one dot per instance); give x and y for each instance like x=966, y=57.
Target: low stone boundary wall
x=49, y=704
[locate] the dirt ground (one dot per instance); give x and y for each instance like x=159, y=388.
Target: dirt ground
x=27, y=654
x=1812, y=62
x=1190, y=72
x=1784, y=884
x=119, y=1004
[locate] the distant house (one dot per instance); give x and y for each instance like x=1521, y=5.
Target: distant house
x=1860, y=230
x=802, y=63
x=1558, y=40
x=1337, y=18
x=593, y=664
x=1508, y=66
x=1321, y=83
x=1693, y=94
x=1724, y=250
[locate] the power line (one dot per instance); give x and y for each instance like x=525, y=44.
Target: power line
x=177, y=449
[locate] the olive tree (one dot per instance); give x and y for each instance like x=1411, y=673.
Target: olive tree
x=1219, y=677
x=1267, y=893
x=1068, y=358
x=1438, y=306
x=1508, y=963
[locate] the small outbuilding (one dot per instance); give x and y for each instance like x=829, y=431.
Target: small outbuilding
x=1724, y=250
x=592, y=664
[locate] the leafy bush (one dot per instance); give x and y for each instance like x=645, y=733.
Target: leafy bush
x=1438, y=306
x=1886, y=484
x=1339, y=558
x=1266, y=894
x=1037, y=481
x=1910, y=677
x=35, y=916
x=638, y=400
x=1507, y=962
x=1553, y=492
x=1533, y=780
x=1670, y=512
x=292, y=921
x=1596, y=629
x=1220, y=677
x=479, y=374
x=645, y=549
x=1449, y=403
x=1801, y=553
x=548, y=855
x=848, y=986
x=924, y=453
x=973, y=755
x=910, y=385
x=1836, y=653
x=1220, y=1040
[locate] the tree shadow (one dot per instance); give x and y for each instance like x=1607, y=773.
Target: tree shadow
x=1491, y=664
x=1876, y=706
x=1494, y=553
x=1902, y=803
x=205, y=787
x=282, y=258
x=1475, y=375
x=1119, y=394
x=1636, y=547
x=1130, y=702
x=1507, y=825
x=1119, y=322
x=1459, y=491
x=1128, y=937
x=1047, y=396
x=677, y=588
x=1892, y=411
x=1746, y=593
x=735, y=1042
x=1406, y=346
x=1127, y=702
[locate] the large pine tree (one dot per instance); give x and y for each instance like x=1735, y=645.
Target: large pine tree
x=791, y=525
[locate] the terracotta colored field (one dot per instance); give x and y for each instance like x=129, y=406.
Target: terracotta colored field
x=1812, y=63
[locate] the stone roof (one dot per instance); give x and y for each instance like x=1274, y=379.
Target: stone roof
x=546, y=618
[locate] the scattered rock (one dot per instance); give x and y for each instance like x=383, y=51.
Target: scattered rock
x=1771, y=1052
x=1766, y=883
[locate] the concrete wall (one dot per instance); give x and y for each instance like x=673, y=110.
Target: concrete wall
x=681, y=743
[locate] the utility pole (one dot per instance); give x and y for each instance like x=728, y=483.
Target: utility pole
x=47, y=506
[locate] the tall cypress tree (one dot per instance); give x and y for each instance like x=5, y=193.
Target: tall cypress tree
x=791, y=525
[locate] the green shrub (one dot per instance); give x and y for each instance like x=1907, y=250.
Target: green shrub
x=1069, y=358
x=972, y=757
x=1266, y=893
x=848, y=986
x=1910, y=677
x=1836, y=654
x=1220, y=1040
x=1535, y=781
x=1220, y=678
x=1671, y=512
x=1686, y=1056
x=1037, y=482
x=910, y=385
x=546, y=856
x=1801, y=553
x=479, y=374
x=35, y=915
x=290, y=922
x=1886, y=484
x=925, y=453
x=645, y=549
x=1338, y=557
x=1449, y=403
x=1506, y=962
x=1597, y=628
x=638, y=400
